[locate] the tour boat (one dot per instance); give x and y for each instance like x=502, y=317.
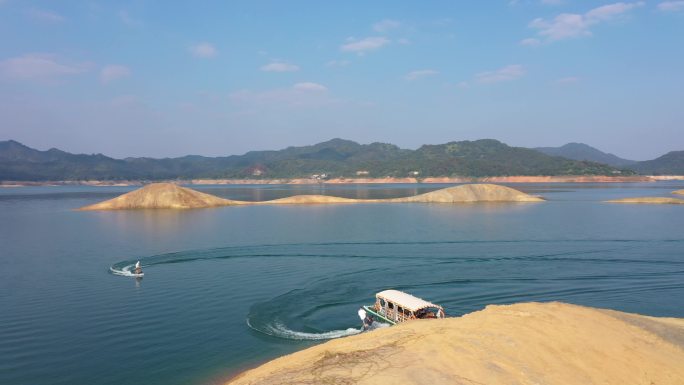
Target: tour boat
x=394, y=306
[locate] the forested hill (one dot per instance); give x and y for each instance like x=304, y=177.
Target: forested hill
x=335, y=158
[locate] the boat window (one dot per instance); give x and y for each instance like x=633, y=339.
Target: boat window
x=382, y=302
x=399, y=309
x=390, y=305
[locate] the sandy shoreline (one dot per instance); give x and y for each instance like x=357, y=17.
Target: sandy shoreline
x=525, y=343
x=335, y=181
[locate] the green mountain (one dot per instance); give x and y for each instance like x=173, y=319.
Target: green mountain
x=335, y=158
x=671, y=163
x=581, y=151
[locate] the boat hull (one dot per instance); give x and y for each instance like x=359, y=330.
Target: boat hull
x=378, y=317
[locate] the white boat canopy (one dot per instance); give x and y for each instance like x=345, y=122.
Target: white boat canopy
x=407, y=301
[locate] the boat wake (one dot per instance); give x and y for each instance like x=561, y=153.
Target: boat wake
x=124, y=271
x=278, y=329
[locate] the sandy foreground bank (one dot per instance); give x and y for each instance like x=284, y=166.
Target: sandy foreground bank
x=527, y=343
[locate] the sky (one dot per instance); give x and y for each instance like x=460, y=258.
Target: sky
x=215, y=78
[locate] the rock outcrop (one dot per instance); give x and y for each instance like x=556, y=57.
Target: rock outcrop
x=172, y=196
x=649, y=201
x=527, y=343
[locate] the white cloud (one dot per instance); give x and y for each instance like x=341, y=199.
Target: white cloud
x=671, y=6
x=419, y=74
x=530, y=42
x=404, y=41
x=113, y=72
x=204, y=50
x=572, y=25
x=364, y=45
x=44, y=15
x=386, y=25
x=309, y=86
x=279, y=66
x=39, y=67
x=507, y=73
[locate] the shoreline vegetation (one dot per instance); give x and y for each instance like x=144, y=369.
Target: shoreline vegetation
x=550, y=343
x=173, y=196
x=335, y=181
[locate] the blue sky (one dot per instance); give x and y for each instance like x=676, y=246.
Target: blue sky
x=170, y=78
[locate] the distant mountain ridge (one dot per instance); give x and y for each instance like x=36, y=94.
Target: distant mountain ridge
x=581, y=151
x=335, y=158
x=671, y=163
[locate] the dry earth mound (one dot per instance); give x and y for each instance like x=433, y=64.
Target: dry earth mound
x=527, y=343
x=172, y=196
x=650, y=200
x=468, y=193
x=678, y=192
x=161, y=196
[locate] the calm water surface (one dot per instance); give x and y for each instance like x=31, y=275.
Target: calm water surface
x=228, y=288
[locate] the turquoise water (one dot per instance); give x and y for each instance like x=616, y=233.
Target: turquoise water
x=228, y=288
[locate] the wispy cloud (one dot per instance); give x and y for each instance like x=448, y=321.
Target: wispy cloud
x=45, y=16
x=204, y=50
x=113, y=72
x=671, y=6
x=573, y=25
x=309, y=86
x=364, y=45
x=419, y=74
x=552, y=2
x=305, y=94
x=39, y=67
x=338, y=63
x=507, y=73
x=279, y=66
x=530, y=42
x=386, y=25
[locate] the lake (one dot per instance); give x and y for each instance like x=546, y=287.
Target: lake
x=228, y=288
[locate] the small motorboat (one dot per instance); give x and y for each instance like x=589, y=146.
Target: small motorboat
x=394, y=306
x=137, y=271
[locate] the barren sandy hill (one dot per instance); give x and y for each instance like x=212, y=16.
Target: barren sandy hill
x=650, y=200
x=527, y=343
x=172, y=196
x=678, y=192
x=472, y=193
x=161, y=196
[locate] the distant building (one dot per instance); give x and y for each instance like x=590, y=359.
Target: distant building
x=362, y=173
x=414, y=173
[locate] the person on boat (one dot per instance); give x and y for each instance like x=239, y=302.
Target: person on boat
x=138, y=268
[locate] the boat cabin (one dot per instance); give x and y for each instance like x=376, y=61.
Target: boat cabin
x=396, y=306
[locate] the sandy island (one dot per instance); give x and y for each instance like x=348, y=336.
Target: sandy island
x=649, y=201
x=173, y=196
x=526, y=343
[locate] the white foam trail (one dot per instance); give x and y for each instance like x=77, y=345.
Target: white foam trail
x=124, y=271
x=279, y=330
